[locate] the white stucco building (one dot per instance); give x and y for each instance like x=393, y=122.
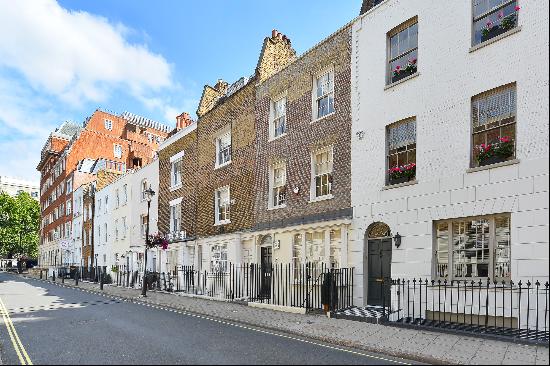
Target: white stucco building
x=431, y=82
x=103, y=221
x=78, y=221
x=14, y=186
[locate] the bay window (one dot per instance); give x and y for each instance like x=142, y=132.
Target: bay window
x=473, y=248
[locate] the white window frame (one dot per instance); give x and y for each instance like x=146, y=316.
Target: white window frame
x=330, y=92
x=227, y=206
x=116, y=229
x=218, y=258
x=108, y=124
x=124, y=227
x=395, y=32
x=491, y=12
x=68, y=207
x=175, y=215
x=449, y=274
x=279, y=190
x=124, y=194
x=314, y=174
x=117, y=151
x=228, y=149
x=144, y=187
x=176, y=163
x=274, y=116
x=69, y=185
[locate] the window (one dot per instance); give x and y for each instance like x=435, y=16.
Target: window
x=69, y=207
x=322, y=173
x=124, y=228
x=324, y=95
x=143, y=190
x=297, y=254
x=98, y=208
x=315, y=247
x=472, y=248
x=117, y=151
x=124, y=194
x=223, y=150
x=494, y=126
x=116, y=229
x=176, y=162
x=218, y=258
x=278, y=186
x=335, y=248
x=106, y=204
x=106, y=234
x=403, y=52
x=108, y=124
x=278, y=121
x=69, y=185
x=401, y=157
x=99, y=234
x=143, y=225
x=117, y=198
x=493, y=18
x=175, y=217
x=223, y=206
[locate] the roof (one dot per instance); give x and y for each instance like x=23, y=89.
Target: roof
x=144, y=122
x=68, y=129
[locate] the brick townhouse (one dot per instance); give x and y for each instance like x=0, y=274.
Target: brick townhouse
x=119, y=141
x=303, y=160
x=222, y=149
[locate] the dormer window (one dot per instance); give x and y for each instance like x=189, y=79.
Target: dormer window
x=108, y=124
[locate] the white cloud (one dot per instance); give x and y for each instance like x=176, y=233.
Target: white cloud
x=74, y=55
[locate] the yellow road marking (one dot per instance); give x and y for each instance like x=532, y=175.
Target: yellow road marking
x=19, y=349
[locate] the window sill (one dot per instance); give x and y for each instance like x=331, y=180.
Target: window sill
x=276, y=208
x=493, y=166
x=272, y=138
x=222, y=165
x=389, y=86
x=324, y=117
x=495, y=39
x=322, y=198
x=400, y=185
x=222, y=223
x=175, y=188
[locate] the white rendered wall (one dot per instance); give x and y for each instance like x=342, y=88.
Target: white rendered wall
x=440, y=99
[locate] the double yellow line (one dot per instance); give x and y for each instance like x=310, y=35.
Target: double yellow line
x=19, y=349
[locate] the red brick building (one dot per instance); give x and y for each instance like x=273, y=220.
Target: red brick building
x=118, y=142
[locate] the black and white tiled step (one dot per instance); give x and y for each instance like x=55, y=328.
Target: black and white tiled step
x=369, y=314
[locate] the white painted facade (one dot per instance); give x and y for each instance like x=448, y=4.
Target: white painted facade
x=13, y=186
x=149, y=175
x=103, y=226
x=78, y=220
x=450, y=73
x=120, y=213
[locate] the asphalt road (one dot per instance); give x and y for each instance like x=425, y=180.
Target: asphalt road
x=57, y=325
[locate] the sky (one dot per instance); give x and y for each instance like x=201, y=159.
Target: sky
x=61, y=60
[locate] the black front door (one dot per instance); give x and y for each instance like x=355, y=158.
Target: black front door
x=266, y=272
x=379, y=271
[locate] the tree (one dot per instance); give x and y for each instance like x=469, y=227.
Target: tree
x=19, y=226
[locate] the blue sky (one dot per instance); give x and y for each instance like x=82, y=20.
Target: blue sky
x=61, y=60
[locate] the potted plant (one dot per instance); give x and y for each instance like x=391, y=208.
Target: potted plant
x=492, y=30
x=488, y=154
x=402, y=174
x=402, y=72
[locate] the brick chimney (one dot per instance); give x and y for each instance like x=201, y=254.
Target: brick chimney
x=368, y=5
x=277, y=53
x=183, y=120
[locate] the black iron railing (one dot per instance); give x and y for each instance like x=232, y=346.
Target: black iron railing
x=311, y=286
x=501, y=309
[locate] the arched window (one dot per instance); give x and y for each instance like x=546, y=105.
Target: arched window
x=378, y=230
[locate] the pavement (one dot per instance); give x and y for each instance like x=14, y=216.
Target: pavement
x=62, y=325
x=419, y=345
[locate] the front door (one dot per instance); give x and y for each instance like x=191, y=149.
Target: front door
x=379, y=271
x=266, y=271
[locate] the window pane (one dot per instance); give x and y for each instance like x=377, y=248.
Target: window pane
x=471, y=248
x=394, y=44
x=413, y=36
x=502, y=250
x=404, y=41
x=442, y=248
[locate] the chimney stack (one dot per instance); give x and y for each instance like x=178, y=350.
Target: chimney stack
x=277, y=36
x=183, y=120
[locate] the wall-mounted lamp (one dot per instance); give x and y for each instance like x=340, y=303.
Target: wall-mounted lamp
x=397, y=240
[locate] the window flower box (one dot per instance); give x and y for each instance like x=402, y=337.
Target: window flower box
x=402, y=174
x=495, y=153
x=400, y=73
x=506, y=23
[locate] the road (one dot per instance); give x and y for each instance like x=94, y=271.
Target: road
x=56, y=325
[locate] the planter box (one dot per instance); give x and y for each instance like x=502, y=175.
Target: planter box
x=402, y=75
x=493, y=160
x=399, y=180
x=494, y=32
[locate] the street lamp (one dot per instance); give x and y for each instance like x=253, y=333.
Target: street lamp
x=149, y=196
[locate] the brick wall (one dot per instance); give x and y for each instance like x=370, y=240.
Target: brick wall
x=188, y=191
x=303, y=136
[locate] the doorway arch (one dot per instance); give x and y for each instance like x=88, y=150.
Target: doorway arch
x=377, y=264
